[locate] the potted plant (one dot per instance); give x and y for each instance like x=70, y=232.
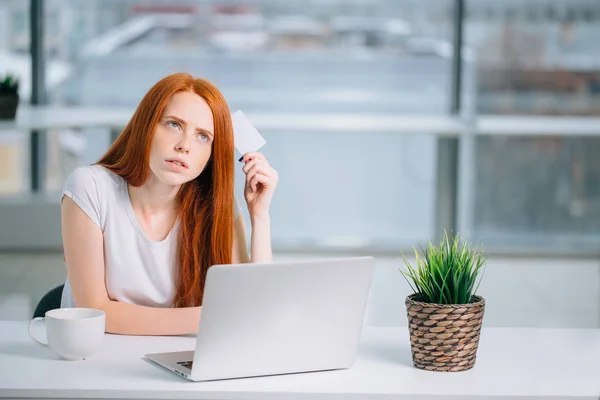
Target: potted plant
x=444, y=313
x=9, y=96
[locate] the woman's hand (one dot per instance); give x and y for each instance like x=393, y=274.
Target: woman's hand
x=261, y=181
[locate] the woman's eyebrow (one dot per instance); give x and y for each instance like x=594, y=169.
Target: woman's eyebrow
x=182, y=121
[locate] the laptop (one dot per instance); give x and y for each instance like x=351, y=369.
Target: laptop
x=274, y=318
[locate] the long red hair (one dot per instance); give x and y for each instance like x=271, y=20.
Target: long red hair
x=206, y=204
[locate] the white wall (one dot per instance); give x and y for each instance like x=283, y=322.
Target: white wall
x=518, y=292
x=527, y=292
x=548, y=292
x=4, y=26
x=30, y=222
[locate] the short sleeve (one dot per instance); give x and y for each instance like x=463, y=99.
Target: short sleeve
x=82, y=187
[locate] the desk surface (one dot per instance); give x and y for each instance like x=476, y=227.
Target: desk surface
x=551, y=363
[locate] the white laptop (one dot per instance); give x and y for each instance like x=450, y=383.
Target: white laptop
x=277, y=318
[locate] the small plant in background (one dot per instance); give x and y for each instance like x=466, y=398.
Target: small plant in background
x=9, y=84
x=9, y=96
x=445, y=274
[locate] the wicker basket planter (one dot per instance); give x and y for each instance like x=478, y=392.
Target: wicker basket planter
x=444, y=337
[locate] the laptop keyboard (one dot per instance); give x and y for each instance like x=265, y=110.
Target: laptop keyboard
x=187, y=364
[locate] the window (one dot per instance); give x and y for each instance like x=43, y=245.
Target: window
x=317, y=60
x=537, y=191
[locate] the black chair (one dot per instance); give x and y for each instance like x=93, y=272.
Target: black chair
x=50, y=301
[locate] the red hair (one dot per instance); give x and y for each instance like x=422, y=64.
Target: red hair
x=206, y=204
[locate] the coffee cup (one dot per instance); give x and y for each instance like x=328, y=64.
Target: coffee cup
x=72, y=333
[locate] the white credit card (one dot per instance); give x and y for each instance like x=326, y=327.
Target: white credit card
x=246, y=137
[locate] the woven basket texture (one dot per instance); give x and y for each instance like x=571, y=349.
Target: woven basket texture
x=444, y=337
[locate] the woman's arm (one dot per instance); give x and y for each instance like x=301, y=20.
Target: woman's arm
x=261, y=181
x=240, y=249
x=84, y=250
x=260, y=241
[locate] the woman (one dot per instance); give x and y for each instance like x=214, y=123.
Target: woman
x=142, y=226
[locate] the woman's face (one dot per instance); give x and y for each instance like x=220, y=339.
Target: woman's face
x=183, y=138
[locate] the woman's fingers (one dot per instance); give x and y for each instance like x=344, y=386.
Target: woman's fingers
x=251, y=164
x=251, y=156
x=256, y=179
x=249, y=175
x=257, y=170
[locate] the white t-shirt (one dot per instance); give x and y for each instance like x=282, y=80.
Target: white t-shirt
x=137, y=270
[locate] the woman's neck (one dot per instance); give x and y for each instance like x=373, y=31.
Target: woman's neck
x=153, y=197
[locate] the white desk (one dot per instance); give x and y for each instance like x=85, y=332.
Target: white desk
x=511, y=363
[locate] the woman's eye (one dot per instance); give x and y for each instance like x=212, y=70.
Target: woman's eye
x=173, y=124
x=204, y=137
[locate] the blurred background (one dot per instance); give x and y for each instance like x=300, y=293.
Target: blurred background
x=388, y=121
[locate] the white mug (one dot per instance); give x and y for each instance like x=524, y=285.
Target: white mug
x=72, y=333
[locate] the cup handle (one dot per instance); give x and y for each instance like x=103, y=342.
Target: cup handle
x=31, y=323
